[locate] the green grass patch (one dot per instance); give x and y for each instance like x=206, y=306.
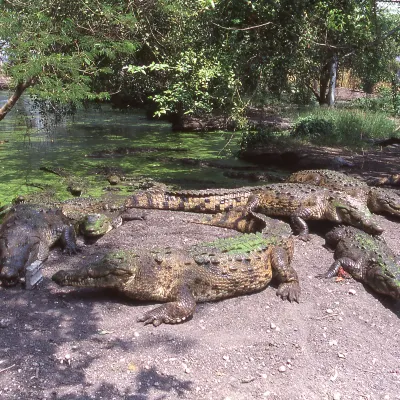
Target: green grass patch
x=352, y=128
x=355, y=129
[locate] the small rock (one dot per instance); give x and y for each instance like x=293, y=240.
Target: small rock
x=282, y=368
x=272, y=325
x=352, y=291
x=226, y=358
x=329, y=311
x=333, y=342
x=337, y=396
x=4, y=323
x=247, y=379
x=341, y=355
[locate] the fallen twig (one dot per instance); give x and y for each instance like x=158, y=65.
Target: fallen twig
x=5, y=369
x=327, y=316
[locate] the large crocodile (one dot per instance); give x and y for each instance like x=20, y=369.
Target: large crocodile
x=91, y=216
x=378, y=200
x=299, y=202
x=367, y=258
x=27, y=233
x=204, y=272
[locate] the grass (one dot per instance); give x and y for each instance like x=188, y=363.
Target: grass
x=353, y=129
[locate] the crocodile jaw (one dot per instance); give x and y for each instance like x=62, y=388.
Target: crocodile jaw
x=106, y=273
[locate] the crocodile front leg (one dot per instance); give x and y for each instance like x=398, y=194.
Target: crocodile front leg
x=174, y=312
x=354, y=268
x=299, y=225
x=289, y=287
x=68, y=240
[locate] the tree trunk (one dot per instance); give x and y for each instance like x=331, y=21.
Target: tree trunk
x=327, y=83
x=19, y=90
x=332, y=82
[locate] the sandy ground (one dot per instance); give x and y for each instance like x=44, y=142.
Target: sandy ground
x=69, y=343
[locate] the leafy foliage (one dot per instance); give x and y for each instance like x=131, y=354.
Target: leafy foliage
x=193, y=57
x=312, y=127
x=66, y=49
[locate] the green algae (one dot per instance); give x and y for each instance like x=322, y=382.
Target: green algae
x=71, y=144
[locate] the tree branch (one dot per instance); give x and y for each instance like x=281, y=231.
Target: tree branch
x=242, y=29
x=19, y=90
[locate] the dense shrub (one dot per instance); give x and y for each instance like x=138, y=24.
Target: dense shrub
x=313, y=127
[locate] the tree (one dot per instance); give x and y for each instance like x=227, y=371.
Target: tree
x=66, y=52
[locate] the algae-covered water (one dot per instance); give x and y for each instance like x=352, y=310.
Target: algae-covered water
x=25, y=146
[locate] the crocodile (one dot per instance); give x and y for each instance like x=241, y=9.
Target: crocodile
x=367, y=258
x=205, y=201
x=26, y=235
x=203, y=272
x=299, y=202
x=378, y=200
x=91, y=216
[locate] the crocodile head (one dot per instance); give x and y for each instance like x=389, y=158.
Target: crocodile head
x=15, y=257
x=382, y=200
x=384, y=276
x=113, y=270
x=94, y=225
x=354, y=213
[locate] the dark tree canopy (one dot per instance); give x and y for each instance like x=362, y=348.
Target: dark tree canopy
x=192, y=57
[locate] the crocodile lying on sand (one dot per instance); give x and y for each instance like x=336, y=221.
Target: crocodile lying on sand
x=91, y=216
x=26, y=235
x=367, y=258
x=378, y=200
x=204, y=272
x=299, y=202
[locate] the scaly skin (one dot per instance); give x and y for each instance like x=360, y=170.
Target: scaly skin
x=367, y=258
x=92, y=217
x=26, y=235
x=378, y=200
x=204, y=272
x=302, y=202
x=210, y=201
x=96, y=225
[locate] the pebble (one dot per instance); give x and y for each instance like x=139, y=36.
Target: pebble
x=341, y=355
x=352, y=291
x=272, y=325
x=329, y=311
x=4, y=323
x=226, y=358
x=282, y=368
x=337, y=396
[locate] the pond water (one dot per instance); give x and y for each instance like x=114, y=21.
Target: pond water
x=70, y=145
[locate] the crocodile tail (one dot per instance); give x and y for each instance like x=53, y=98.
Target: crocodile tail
x=203, y=201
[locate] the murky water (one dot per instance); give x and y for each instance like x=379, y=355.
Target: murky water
x=70, y=145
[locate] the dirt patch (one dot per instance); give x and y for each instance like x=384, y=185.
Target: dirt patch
x=69, y=343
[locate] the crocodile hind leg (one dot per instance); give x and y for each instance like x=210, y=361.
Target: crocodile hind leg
x=238, y=219
x=174, y=312
x=289, y=287
x=297, y=220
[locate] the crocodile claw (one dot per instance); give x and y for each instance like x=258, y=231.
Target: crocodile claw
x=289, y=291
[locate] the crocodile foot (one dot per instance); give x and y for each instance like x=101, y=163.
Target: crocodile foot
x=305, y=237
x=289, y=291
x=170, y=313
